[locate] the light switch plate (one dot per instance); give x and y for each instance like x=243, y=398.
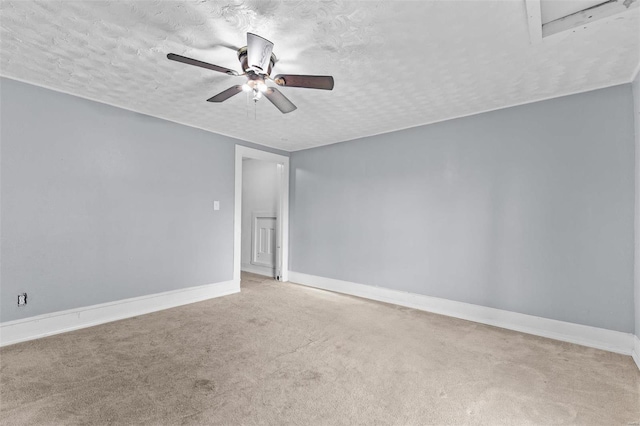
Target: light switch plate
x=216, y=205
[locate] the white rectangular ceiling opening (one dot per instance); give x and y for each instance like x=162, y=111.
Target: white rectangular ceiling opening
x=549, y=17
x=550, y=10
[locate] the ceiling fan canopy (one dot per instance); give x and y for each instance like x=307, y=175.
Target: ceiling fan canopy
x=257, y=60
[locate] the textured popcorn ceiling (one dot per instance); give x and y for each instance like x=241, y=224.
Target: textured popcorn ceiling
x=396, y=64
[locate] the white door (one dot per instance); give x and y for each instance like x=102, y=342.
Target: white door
x=264, y=240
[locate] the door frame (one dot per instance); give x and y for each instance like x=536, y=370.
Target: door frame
x=282, y=223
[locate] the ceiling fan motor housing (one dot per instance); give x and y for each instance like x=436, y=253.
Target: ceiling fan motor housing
x=244, y=62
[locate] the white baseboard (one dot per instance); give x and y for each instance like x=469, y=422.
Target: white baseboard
x=636, y=350
x=608, y=340
x=260, y=270
x=73, y=319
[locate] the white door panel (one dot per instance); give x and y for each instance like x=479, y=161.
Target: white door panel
x=264, y=239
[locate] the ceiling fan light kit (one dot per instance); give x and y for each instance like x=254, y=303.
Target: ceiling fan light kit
x=257, y=61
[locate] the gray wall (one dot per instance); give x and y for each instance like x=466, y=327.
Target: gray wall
x=100, y=204
x=528, y=209
x=636, y=103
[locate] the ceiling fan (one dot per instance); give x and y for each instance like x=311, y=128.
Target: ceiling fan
x=257, y=60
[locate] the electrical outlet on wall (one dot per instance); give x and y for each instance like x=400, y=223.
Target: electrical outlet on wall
x=22, y=299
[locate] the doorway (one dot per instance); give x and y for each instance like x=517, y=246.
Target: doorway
x=261, y=217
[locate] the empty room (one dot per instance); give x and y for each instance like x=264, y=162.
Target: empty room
x=330, y=212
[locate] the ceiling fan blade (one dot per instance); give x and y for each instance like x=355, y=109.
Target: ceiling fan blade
x=279, y=100
x=197, y=63
x=223, y=96
x=324, y=82
x=258, y=51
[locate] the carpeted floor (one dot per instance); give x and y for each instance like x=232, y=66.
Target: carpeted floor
x=286, y=354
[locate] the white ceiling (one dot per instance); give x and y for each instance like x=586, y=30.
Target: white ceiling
x=396, y=64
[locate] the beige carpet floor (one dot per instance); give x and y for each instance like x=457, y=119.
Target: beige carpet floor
x=286, y=354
